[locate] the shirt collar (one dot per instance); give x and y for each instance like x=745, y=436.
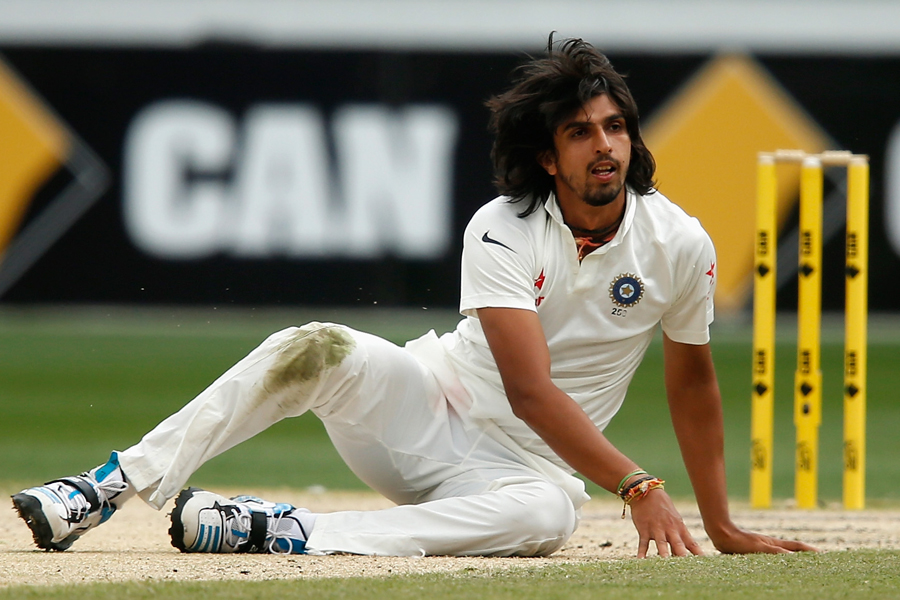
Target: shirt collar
x=631, y=198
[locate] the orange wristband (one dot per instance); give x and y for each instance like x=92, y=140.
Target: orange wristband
x=639, y=488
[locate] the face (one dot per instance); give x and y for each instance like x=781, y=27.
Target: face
x=593, y=150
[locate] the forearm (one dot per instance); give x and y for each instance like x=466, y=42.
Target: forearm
x=517, y=342
x=696, y=408
x=570, y=433
x=701, y=440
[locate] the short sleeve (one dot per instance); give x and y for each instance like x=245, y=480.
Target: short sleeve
x=497, y=261
x=691, y=313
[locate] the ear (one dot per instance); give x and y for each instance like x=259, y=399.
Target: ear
x=547, y=159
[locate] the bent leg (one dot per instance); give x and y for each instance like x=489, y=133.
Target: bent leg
x=289, y=373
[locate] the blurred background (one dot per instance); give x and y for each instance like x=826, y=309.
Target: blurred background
x=180, y=178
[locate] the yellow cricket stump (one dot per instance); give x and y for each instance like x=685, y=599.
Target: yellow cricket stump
x=764, y=278
x=808, y=377
x=856, y=311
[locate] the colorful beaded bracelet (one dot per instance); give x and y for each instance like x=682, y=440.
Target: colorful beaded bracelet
x=639, y=488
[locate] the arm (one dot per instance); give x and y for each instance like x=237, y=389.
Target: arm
x=517, y=342
x=696, y=408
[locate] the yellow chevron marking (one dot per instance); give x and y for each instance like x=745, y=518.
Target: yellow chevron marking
x=33, y=145
x=705, y=142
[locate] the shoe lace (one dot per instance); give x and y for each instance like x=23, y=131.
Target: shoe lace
x=273, y=535
x=78, y=506
x=238, y=530
x=109, y=487
x=241, y=523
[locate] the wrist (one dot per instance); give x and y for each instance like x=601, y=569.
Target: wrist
x=720, y=530
x=630, y=479
x=637, y=489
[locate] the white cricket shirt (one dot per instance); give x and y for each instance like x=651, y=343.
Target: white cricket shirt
x=598, y=315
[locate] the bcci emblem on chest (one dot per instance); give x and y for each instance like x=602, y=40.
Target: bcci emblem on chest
x=626, y=290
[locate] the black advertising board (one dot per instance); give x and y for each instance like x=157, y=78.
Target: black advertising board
x=230, y=174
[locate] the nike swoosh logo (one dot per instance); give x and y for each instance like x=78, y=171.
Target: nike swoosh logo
x=489, y=240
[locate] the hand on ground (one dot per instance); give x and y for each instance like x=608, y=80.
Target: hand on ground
x=745, y=542
x=655, y=518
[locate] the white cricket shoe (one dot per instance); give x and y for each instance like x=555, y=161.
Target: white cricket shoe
x=203, y=521
x=62, y=510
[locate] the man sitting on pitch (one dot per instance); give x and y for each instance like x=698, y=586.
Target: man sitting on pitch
x=476, y=435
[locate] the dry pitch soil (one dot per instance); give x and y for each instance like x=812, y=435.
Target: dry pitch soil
x=134, y=545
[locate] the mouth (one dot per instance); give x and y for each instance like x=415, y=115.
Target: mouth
x=604, y=170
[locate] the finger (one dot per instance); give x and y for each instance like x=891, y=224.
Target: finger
x=690, y=543
x=686, y=546
x=662, y=546
x=773, y=546
x=793, y=546
x=643, y=546
x=679, y=548
x=694, y=548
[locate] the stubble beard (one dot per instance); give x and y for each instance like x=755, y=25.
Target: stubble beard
x=603, y=195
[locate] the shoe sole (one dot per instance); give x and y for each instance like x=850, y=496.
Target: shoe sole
x=176, y=531
x=31, y=511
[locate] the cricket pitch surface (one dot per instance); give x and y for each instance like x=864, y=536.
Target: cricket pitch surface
x=134, y=545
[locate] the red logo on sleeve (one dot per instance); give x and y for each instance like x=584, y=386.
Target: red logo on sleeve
x=712, y=279
x=539, y=284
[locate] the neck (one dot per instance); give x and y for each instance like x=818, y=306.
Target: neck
x=593, y=220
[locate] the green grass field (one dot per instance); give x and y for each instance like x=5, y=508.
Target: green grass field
x=860, y=574
x=75, y=384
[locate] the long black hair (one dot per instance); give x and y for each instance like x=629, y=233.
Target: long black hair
x=545, y=93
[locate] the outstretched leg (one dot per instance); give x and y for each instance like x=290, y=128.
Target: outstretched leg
x=518, y=516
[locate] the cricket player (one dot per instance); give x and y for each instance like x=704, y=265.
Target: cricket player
x=476, y=435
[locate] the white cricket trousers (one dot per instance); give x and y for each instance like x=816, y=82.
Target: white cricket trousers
x=459, y=491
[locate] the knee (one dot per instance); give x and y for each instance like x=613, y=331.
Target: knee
x=551, y=515
x=306, y=353
x=546, y=519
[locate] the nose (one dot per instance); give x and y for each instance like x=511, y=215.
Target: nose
x=601, y=143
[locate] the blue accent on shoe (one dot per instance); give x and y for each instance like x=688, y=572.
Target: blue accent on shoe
x=46, y=492
x=106, y=512
x=245, y=498
x=282, y=508
x=111, y=465
x=198, y=543
x=215, y=541
x=292, y=545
